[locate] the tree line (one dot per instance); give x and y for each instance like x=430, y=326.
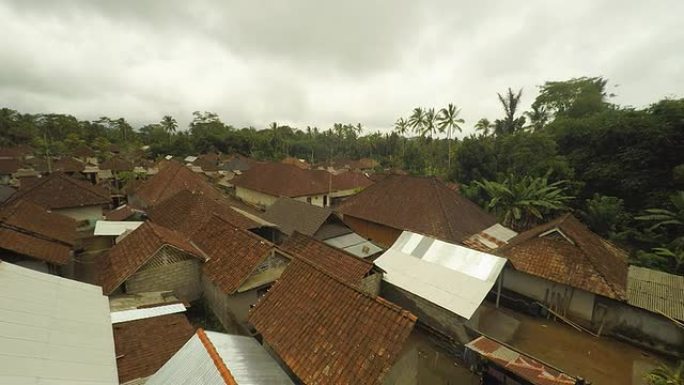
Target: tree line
x=620, y=169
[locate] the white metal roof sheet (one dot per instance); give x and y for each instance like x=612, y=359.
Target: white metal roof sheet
x=53, y=330
x=354, y=244
x=247, y=361
x=150, y=312
x=451, y=276
x=115, y=228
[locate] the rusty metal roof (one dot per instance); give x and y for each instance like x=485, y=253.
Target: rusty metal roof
x=656, y=291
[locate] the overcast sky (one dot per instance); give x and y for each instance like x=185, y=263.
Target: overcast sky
x=319, y=62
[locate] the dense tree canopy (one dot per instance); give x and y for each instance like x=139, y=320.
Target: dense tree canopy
x=616, y=164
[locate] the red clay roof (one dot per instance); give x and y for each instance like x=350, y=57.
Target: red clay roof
x=187, y=212
x=279, y=179
x=9, y=166
x=343, y=265
x=138, y=247
x=83, y=152
x=44, y=250
x=419, y=204
x=585, y=261
x=292, y=161
x=328, y=332
x=14, y=152
x=32, y=219
x=350, y=180
x=233, y=253
x=68, y=164
x=292, y=215
x=116, y=164
x=143, y=346
x=58, y=191
x=120, y=213
x=172, y=178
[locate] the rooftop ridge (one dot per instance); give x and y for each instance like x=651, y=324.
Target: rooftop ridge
x=344, y=252
x=216, y=358
x=247, y=232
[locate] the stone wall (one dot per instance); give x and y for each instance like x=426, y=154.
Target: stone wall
x=168, y=271
x=231, y=310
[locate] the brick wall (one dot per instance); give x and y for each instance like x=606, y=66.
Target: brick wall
x=167, y=273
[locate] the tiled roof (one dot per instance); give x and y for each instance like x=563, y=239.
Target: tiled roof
x=144, y=346
x=233, y=253
x=656, y=291
x=21, y=243
x=350, y=180
x=328, y=332
x=6, y=192
x=187, y=212
x=120, y=213
x=83, y=152
x=279, y=179
x=68, y=164
x=292, y=161
x=14, y=152
x=172, y=178
x=292, y=215
x=420, y=204
x=9, y=166
x=58, y=191
x=343, y=265
x=138, y=247
x=116, y=164
x=32, y=219
x=567, y=252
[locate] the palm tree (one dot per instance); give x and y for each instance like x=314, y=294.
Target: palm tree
x=523, y=202
x=665, y=375
x=538, y=117
x=483, y=125
x=401, y=127
x=510, y=123
x=169, y=124
x=430, y=126
x=666, y=218
x=449, y=121
x=417, y=120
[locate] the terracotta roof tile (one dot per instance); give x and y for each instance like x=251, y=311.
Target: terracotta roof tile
x=343, y=265
x=328, y=332
x=292, y=215
x=21, y=243
x=350, y=180
x=423, y=205
x=292, y=161
x=58, y=191
x=138, y=247
x=585, y=261
x=143, y=346
x=172, y=178
x=116, y=164
x=187, y=212
x=68, y=164
x=84, y=152
x=233, y=253
x=9, y=166
x=32, y=219
x=279, y=179
x=120, y=213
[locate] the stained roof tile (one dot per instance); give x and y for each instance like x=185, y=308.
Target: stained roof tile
x=172, y=178
x=58, y=191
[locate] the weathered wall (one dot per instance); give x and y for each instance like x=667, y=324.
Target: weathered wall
x=379, y=234
x=435, y=317
x=316, y=200
x=579, y=303
x=254, y=197
x=640, y=327
x=405, y=369
x=168, y=272
x=371, y=284
x=82, y=213
x=231, y=310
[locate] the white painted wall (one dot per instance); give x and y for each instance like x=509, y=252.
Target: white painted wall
x=542, y=290
x=82, y=213
x=254, y=197
x=316, y=200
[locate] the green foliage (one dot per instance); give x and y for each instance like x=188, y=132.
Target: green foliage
x=666, y=375
x=572, y=98
x=509, y=124
x=522, y=202
x=605, y=215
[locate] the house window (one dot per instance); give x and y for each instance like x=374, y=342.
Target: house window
x=325, y=201
x=308, y=200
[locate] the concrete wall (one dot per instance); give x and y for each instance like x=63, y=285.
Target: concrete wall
x=405, y=369
x=82, y=213
x=640, y=327
x=180, y=276
x=578, y=304
x=379, y=234
x=254, y=197
x=372, y=284
x=231, y=310
x=435, y=317
x=316, y=200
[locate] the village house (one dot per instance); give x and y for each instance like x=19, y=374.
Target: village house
x=8, y=167
x=65, y=195
x=116, y=165
x=85, y=154
x=145, y=339
x=347, y=267
x=171, y=178
x=291, y=215
x=292, y=161
x=241, y=267
x=423, y=205
x=153, y=258
x=443, y=284
x=212, y=358
x=264, y=183
x=53, y=330
x=32, y=237
x=68, y=165
x=335, y=333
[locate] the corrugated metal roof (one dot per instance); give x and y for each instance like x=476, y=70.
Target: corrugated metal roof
x=247, y=361
x=53, y=330
x=354, y=244
x=150, y=312
x=115, y=228
x=656, y=291
x=451, y=276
